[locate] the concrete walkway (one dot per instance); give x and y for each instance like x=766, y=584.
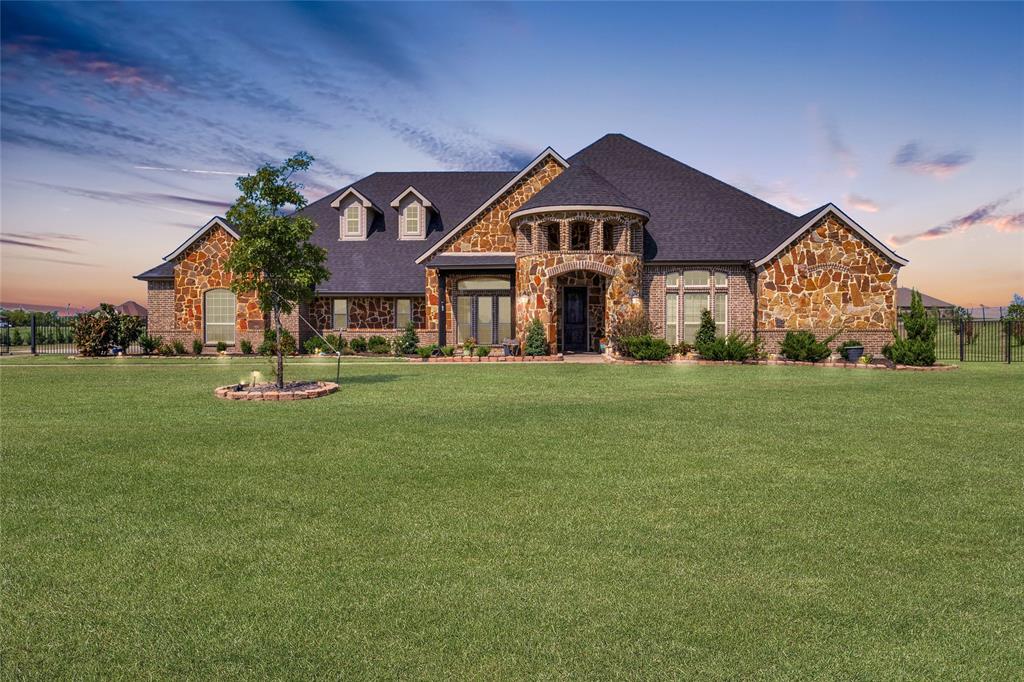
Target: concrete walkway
x=584, y=358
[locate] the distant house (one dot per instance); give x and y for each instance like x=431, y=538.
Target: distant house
x=128, y=308
x=577, y=244
x=930, y=302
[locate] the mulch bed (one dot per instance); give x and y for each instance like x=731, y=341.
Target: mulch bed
x=295, y=390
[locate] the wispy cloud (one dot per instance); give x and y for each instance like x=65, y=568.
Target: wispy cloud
x=41, y=241
x=197, y=171
x=159, y=199
x=779, y=193
x=832, y=140
x=61, y=262
x=4, y=239
x=989, y=215
x=917, y=159
x=861, y=203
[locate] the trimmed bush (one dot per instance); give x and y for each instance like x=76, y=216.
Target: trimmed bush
x=378, y=345
x=406, y=343
x=918, y=349
x=246, y=346
x=448, y=351
x=536, y=341
x=646, y=347
x=681, y=348
x=166, y=349
x=197, y=346
x=733, y=347
x=706, y=332
x=269, y=345
x=804, y=346
x=92, y=335
x=313, y=346
x=358, y=344
x=482, y=351
x=426, y=351
x=222, y=346
x=335, y=344
x=149, y=344
x=178, y=346
x=634, y=324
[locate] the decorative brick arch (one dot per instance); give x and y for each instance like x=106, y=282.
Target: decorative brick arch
x=572, y=266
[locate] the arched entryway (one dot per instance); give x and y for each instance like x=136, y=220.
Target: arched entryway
x=580, y=307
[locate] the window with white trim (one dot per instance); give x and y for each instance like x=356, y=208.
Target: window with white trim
x=672, y=317
x=353, y=222
x=219, y=315
x=403, y=312
x=340, y=312
x=721, y=313
x=721, y=279
x=411, y=220
x=672, y=279
x=696, y=278
x=693, y=305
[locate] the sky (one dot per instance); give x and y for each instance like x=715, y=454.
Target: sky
x=123, y=126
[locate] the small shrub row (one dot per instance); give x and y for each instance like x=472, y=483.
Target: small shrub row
x=804, y=346
x=645, y=347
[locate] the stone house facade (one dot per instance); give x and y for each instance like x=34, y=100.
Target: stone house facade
x=575, y=243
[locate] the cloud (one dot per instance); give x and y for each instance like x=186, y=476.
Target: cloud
x=198, y=171
x=861, y=203
x=160, y=199
x=779, y=193
x=832, y=140
x=62, y=262
x=915, y=158
x=48, y=117
x=4, y=239
x=983, y=215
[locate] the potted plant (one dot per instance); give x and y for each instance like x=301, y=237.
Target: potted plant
x=851, y=350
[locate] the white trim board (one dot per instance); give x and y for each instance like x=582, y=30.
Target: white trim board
x=519, y=176
x=410, y=189
x=215, y=221
x=849, y=221
x=579, y=207
x=353, y=191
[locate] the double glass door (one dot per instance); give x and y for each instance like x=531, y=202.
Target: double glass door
x=484, y=317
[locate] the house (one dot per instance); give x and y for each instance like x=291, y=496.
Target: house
x=129, y=307
x=575, y=243
x=930, y=302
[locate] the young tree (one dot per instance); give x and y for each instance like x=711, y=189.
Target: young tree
x=919, y=346
x=706, y=331
x=273, y=256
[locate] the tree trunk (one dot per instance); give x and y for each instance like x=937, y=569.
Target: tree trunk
x=280, y=349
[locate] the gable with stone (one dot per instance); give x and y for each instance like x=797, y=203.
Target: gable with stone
x=575, y=243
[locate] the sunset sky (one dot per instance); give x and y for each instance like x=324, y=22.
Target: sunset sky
x=124, y=126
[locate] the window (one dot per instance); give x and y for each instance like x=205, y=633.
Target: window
x=341, y=313
x=554, y=237
x=695, y=278
x=721, y=279
x=693, y=306
x=219, y=316
x=672, y=280
x=464, y=313
x=412, y=220
x=671, y=317
x=403, y=312
x=484, y=284
x=353, y=226
x=721, y=313
x=579, y=237
x=504, y=318
x=608, y=237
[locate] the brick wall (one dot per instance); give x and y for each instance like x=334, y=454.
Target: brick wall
x=740, y=283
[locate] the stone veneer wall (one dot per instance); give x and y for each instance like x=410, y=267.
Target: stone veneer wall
x=368, y=315
x=740, y=285
x=828, y=280
x=595, y=285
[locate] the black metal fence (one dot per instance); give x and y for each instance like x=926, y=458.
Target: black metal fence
x=973, y=340
x=47, y=337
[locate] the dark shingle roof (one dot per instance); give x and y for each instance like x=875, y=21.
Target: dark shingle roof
x=579, y=185
x=163, y=271
x=383, y=263
x=693, y=215
x=903, y=299
x=470, y=260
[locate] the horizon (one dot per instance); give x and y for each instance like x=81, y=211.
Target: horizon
x=125, y=126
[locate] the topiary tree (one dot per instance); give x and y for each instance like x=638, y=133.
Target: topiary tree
x=273, y=256
x=536, y=341
x=706, y=332
x=918, y=348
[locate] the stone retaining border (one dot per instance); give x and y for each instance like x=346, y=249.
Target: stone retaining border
x=500, y=358
x=839, y=365
x=236, y=392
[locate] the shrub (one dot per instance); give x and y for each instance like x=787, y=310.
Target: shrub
x=166, y=349
x=633, y=324
x=706, y=332
x=246, y=346
x=962, y=319
x=334, y=343
x=313, y=346
x=646, y=347
x=358, y=344
x=197, y=346
x=378, y=345
x=482, y=351
x=734, y=347
x=1015, y=319
x=425, y=351
x=407, y=342
x=805, y=347
x=149, y=343
x=222, y=346
x=269, y=345
x=448, y=351
x=178, y=346
x=92, y=335
x=16, y=338
x=468, y=345
x=918, y=348
x=681, y=348
x=849, y=343
x=536, y=341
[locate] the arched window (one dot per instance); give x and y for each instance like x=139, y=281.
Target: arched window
x=579, y=236
x=608, y=236
x=219, y=315
x=554, y=237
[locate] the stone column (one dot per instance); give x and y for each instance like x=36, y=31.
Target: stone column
x=563, y=235
x=596, y=235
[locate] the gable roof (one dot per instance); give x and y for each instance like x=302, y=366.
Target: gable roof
x=549, y=152
x=336, y=203
x=578, y=186
x=216, y=221
x=163, y=271
x=903, y=299
x=807, y=221
x=410, y=190
x=383, y=263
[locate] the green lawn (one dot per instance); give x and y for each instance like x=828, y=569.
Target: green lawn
x=512, y=521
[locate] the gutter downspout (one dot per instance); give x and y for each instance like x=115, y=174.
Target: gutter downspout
x=753, y=270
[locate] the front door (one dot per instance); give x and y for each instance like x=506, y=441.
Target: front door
x=574, y=326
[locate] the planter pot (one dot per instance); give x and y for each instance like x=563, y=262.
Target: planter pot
x=853, y=353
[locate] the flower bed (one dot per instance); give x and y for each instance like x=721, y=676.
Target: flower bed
x=501, y=358
x=842, y=364
x=303, y=390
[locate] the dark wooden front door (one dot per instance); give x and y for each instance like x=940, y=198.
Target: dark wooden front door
x=574, y=325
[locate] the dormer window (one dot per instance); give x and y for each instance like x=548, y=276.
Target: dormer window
x=353, y=221
x=412, y=213
x=356, y=214
x=411, y=220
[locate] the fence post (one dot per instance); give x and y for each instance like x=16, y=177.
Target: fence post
x=962, y=330
x=32, y=333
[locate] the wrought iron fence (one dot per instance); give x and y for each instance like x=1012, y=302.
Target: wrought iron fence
x=47, y=337
x=973, y=340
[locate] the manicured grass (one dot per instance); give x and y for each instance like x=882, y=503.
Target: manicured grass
x=512, y=521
